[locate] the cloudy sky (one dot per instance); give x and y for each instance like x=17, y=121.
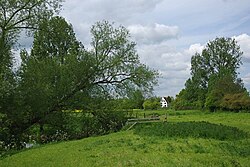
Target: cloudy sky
x=168, y=32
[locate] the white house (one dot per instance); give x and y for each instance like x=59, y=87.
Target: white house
x=164, y=102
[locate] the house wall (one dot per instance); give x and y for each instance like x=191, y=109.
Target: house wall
x=164, y=102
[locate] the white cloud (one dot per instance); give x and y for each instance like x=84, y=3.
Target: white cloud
x=246, y=81
x=244, y=42
x=195, y=48
x=169, y=87
x=82, y=14
x=173, y=65
x=115, y=10
x=155, y=33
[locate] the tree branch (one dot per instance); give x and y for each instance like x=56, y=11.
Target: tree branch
x=4, y=13
x=25, y=27
x=14, y=24
x=111, y=82
x=18, y=10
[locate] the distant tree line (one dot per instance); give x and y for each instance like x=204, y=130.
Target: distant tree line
x=214, y=82
x=139, y=101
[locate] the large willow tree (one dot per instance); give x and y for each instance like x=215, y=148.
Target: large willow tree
x=60, y=74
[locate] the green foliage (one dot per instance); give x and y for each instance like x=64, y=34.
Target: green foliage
x=220, y=56
x=169, y=99
x=60, y=75
x=185, y=100
x=15, y=16
x=214, y=74
x=219, y=87
x=55, y=39
x=116, y=63
x=18, y=15
x=7, y=84
x=109, y=121
x=46, y=79
x=4, y=131
x=134, y=100
x=152, y=104
x=236, y=102
x=70, y=125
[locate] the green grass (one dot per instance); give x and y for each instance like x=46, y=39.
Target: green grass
x=145, y=146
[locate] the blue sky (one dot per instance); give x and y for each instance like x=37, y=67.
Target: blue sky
x=168, y=32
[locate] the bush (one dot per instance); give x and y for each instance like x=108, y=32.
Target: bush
x=110, y=121
x=152, y=104
x=4, y=128
x=62, y=126
x=236, y=102
x=77, y=125
x=6, y=143
x=180, y=104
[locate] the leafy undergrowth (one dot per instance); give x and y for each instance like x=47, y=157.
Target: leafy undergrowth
x=137, y=148
x=191, y=129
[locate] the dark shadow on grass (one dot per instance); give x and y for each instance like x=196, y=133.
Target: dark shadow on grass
x=190, y=129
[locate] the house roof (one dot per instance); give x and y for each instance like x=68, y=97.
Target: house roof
x=165, y=98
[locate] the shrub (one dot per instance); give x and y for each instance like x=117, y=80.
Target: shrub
x=66, y=126
x=236, y=102
x=110, y=121
x=4, y=128
x=152, y=104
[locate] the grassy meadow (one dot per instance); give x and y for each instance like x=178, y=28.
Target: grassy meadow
x=188, y=138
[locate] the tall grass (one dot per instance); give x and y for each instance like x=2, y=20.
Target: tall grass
x=192, y=129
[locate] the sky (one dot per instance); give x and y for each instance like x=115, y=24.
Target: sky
x=168, y=32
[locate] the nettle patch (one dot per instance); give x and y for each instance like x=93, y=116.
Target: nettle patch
x=191, y=129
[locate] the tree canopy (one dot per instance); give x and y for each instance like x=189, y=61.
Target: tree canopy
x=221, y=56
x=64, y=69
x=60, y=75
x=18, y=15
x=213, y=75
